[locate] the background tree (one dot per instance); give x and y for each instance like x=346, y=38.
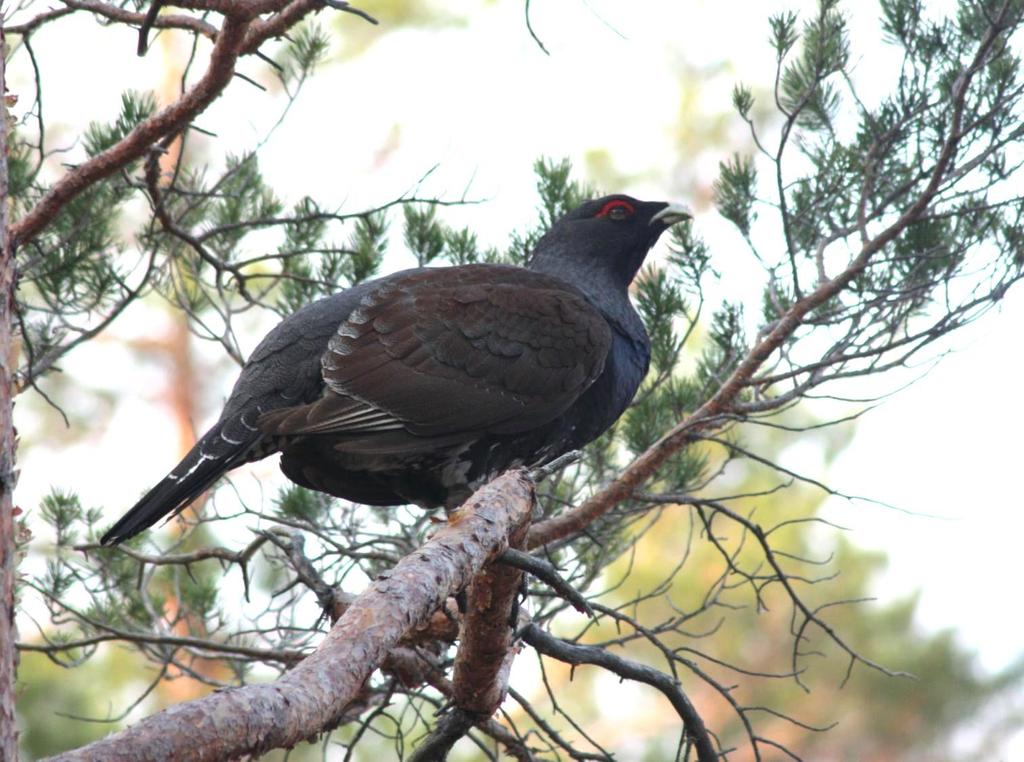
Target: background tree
x=883, y=227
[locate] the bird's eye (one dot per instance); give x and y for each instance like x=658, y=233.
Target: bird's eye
x=617, y=210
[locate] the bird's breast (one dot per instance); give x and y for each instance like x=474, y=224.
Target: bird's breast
x=610, y=394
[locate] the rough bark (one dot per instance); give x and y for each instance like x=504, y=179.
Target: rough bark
x=312, y=697
x=8, y=476
x=487, y=647
x=486, y=640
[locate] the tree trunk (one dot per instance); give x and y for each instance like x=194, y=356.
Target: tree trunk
x=8, y=477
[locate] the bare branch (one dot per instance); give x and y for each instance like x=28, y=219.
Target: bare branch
x=547, y=573
x=571, y=653
x=125, y=16
x=450, y=728
x=26, y=29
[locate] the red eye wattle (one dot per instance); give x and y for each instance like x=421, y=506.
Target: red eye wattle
x=616, y=210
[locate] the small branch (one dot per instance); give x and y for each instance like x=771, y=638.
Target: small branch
x=36, y=367
x=290, y=15
x=344, y=7
x=241, y=557
x=529, y=28
x=452, y=726
x=313, y=696
x=570, y=653
x=147, y=24
x=180, y=559
x=279, y=24
x=333, y=601
x=26, y=29
x=245, y=10
x=546, y=573
x=515, y=746
x=548, y=730
x=541, y=473
x=141, y=20
x=229, y=650
x=786, y=580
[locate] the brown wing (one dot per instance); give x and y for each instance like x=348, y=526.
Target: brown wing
x=439, y=352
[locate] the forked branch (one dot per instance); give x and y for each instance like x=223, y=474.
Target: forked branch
x=571, y=653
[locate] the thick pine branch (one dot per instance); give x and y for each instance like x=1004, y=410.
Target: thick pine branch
x=313, y=696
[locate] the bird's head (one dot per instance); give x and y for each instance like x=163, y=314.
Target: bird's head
x=605, y=240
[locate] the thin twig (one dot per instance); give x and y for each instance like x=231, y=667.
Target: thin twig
x=571, y=653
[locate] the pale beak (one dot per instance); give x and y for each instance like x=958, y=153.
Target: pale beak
x=671, y=214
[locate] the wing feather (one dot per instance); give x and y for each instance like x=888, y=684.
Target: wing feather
x=438, y=352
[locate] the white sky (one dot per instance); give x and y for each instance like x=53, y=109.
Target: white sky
x=482, y=103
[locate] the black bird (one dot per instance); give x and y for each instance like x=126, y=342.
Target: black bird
x=420, y=386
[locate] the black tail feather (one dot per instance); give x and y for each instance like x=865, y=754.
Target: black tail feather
x=211, y=458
